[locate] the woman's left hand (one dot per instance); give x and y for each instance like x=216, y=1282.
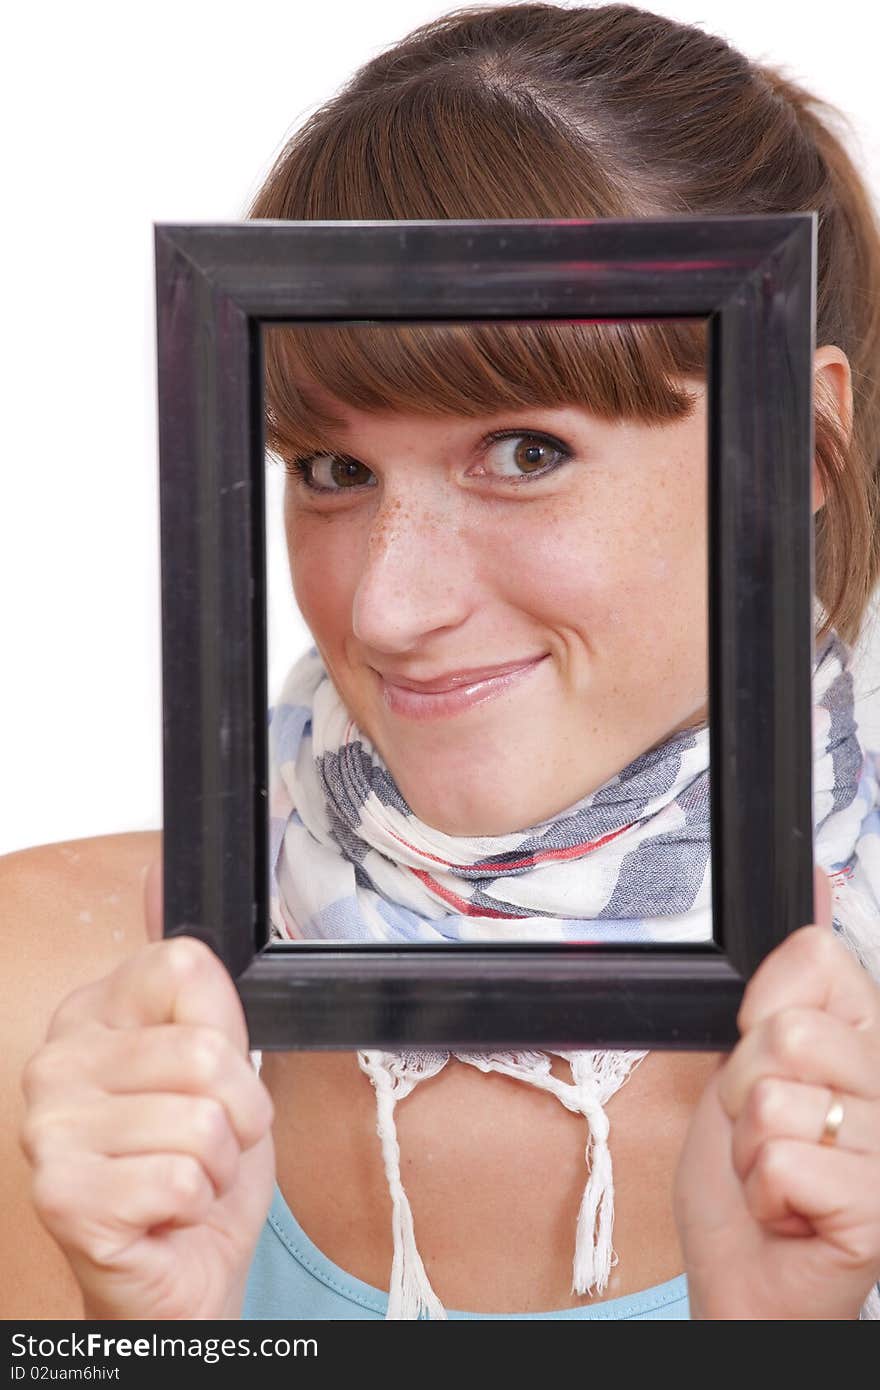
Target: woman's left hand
x=773, y=1223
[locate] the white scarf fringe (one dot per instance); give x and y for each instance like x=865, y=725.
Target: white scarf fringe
x=596, y=1076
x=410, y=1294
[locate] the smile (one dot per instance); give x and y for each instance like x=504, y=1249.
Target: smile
x=417, y=704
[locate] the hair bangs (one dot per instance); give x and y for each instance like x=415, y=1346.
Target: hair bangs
x=615, y=369
x=436, y=145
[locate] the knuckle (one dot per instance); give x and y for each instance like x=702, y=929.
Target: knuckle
x=50, y=1194
x=60, y=1061
x=185, y=1177
x=770, y=1164
x=98, y=1246
x=186, y=957
x=789, y=1036
x=207, y=1055
x=40, y=1073
x=209, y=1121
x=35, y=1137
x=765, y=1104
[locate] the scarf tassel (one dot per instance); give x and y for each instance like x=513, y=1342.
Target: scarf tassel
x=593, y=1253
x=410, y=1294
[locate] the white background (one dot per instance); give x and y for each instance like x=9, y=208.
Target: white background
x=116, y=116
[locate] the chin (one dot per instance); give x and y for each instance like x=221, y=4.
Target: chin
x=464, y=817
x=459, y=827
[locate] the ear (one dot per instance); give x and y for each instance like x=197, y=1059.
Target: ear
x=833, y=389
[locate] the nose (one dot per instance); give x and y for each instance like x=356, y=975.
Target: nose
x=417, y=578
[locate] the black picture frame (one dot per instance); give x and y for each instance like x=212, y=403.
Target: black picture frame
x=753, y=279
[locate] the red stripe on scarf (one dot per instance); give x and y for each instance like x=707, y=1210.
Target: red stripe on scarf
x=467, y=909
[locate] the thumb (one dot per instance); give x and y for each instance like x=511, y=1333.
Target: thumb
x=822, y=908
x=153, y=900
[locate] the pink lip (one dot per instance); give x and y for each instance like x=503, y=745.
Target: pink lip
x=453, y=693
x=453, y=679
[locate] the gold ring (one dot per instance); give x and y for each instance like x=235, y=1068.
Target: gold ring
x=833, y=1120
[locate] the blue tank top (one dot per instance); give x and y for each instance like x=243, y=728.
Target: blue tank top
x=291, y=1278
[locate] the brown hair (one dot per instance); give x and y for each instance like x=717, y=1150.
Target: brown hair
x=544, y=111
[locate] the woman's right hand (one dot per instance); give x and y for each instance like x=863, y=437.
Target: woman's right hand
x=149, y=1133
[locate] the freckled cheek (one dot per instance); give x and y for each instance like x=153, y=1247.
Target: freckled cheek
x=624, y=581
x=595, y=581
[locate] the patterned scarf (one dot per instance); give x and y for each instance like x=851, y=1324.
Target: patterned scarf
x=629, y=862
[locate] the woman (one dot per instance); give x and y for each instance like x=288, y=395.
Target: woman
x=462, y=499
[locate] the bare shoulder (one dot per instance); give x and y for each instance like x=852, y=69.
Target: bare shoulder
x=70, y=913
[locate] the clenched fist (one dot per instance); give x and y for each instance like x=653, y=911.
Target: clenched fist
x=149, y=1133
x=773, y=1222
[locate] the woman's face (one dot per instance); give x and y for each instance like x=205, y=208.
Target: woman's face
x=577, y=545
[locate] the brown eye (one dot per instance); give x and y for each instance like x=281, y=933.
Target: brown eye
x=342, y=472
x=528, y=457
x=330, y=473
x=523, y=454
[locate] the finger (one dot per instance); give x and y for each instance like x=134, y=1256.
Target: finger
x=780, y=1109
x=175, y=981
x=124, y=1125
x=811, y=969
x=100, y=1205
x=172, y=1057
x=832, y=1188
x=806, y=1045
